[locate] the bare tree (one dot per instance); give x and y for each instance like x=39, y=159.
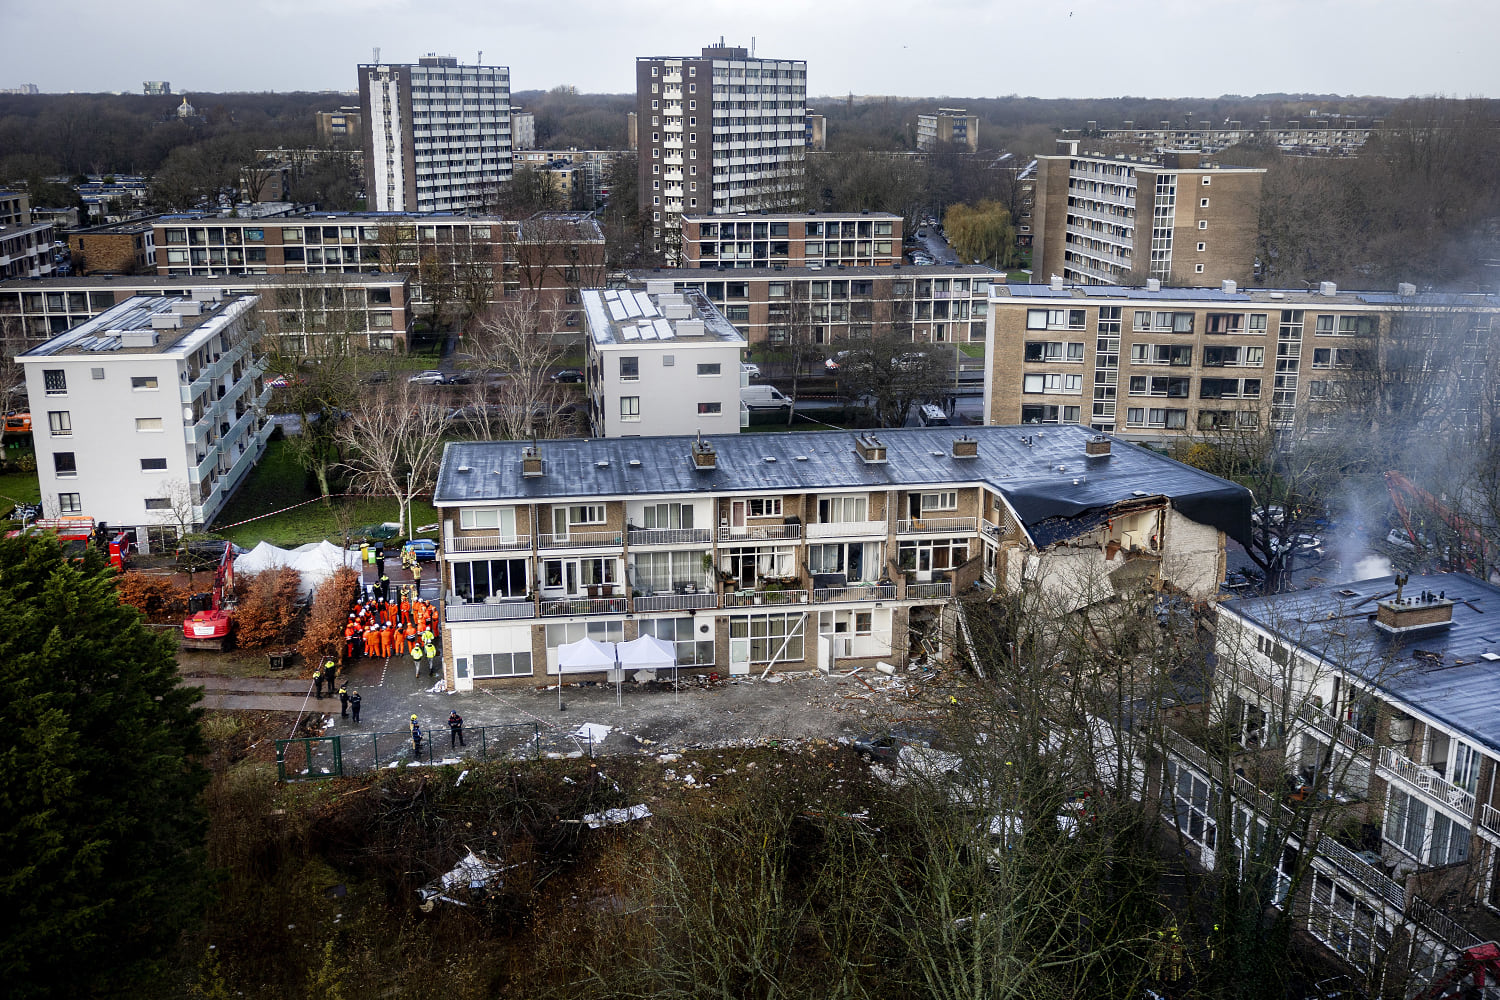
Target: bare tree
x=793, y=338
x=512, y=397
x=888, y=374
x=392, y=443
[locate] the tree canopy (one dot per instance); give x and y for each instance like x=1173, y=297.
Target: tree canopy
x=100, y=844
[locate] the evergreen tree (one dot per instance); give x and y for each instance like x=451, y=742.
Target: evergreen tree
x=101, y=822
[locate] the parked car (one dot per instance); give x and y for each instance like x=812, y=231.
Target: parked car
x=425, y=549
x=375, y=378
x=458, y=378
x=382, y=532
x=1399, y=538
x=764, y=397
x=750, y=369
x=567, y=375
x=886, y=746
x=427, y=378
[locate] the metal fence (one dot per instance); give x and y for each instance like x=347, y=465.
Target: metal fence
x=317, y=757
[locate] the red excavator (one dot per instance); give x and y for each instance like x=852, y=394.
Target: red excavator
x=209, y=623
x=1472, y=556
x=1477, y=968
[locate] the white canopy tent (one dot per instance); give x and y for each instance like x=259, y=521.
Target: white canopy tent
x=316, y=561
x=585, y=656
x=649, y=653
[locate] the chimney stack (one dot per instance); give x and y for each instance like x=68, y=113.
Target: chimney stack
x=965, y=446
x=1097, y=446
x=705, y=458
x=870, y=449
x=531, y=462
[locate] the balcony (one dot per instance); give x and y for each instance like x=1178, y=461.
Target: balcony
x=581, y=540
x=490, y=609
x=936, y=525
x=1431, y=785
x=770, y=532
x=854, y=592
x=749, y=598
x=676, y=602
x=989, y=530
x=1372, y=878
x=670, y=536
x=569, y=606
x=1489, y=818
x=488, y=543
x=937, y=590
x=846, y=529
x=1343, y=732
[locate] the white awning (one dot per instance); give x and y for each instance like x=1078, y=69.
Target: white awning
x=585, y=656
x=646, y=653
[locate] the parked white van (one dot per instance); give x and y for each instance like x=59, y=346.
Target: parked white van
x=764, y=397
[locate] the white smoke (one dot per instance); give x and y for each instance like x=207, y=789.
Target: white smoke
x=1370, y=567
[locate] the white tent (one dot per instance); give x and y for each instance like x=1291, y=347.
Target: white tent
x=316, y=561
x=647, y=653
x=585, y=656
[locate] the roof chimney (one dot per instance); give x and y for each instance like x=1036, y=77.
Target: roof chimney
x=1412, y=614
x=1097, y=446
x=531, y=462
x=965, y=446
x=870, y=449
x=705, y=458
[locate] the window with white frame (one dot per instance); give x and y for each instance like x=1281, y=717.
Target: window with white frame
x=943, y=500
x=772, y=637
x=765, y=506
x=843, y=510
x=1041, y=350
x=69, y=503
x=680, y=632
x=501, y=520
x=1056, y=319
x=630, y=408
x=148, y=424
x=667, y=515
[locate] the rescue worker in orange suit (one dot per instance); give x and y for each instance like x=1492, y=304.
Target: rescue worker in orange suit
x=399, y=638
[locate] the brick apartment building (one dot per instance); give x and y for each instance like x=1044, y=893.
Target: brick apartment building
x=1154, y=363
x=365, y=311
x=812, y=239
x=115, y=248
x=938, y=304
x=720, y=133
x=554, y=254
x=1118, y=220
x=796, y=551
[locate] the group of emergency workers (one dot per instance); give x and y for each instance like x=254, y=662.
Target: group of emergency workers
x=380, y=627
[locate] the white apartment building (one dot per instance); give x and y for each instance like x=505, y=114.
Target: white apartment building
x=437, y=135
x=724, y=132
x=149, y=415
x=25, y=246
x=661, y=362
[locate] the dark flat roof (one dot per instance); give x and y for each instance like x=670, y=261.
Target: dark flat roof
x=832, y=271
x=1242, y=296
x=1052, y=487
x=318, y=280
x=1451, y=682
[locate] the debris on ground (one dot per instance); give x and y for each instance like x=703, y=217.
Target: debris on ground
x=471, y=877
x=612, y=817
x=594, y=732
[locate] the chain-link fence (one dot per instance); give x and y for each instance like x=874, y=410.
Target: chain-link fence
x=317, y=757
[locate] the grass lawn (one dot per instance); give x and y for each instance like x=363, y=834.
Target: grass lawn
x=277, y=483
x=971, y=350
x=19, y=487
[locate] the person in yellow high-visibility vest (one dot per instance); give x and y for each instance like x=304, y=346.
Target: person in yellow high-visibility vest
x=416, y=657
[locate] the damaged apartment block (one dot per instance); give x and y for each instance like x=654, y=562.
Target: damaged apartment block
x=804, y=550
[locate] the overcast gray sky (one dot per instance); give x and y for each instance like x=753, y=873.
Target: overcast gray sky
x=960, y=48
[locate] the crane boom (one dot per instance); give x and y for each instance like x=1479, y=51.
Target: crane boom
x=1405, y=494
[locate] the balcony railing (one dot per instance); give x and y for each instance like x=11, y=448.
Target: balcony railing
x=1428, y=782
x=582, y=540
x=1489, y=817
x=770, y=531
x=676, y=602
x=990, y=530
x=488, y=543
x=929, y=525
x=854, y=592
x=929, y=591
x=1362, y=871
x=1333, y=728
x=748, y=598
x=843, y=529
x=487, y=611
x=1453, y=933
x=670, y=536
x=556, y=607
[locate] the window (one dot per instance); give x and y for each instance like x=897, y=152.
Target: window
x=842, y=509
x=1324, y=325
x=1202, y=203
x=60, y=423
x=1202, y=223
x=588, y=513
x=668, y=515
x=1180, y=322
x=1053, y=383
x=1362, y=326
x=158, y=503
x=630, y=369
x=1053, y=351
x=1049, y=414
x=1055, y=319
x=474, y=581
x=516, y=663
x=143, y=382
x=772, y=637
x=1160, y=385
x=64, y=465
x=55, y=381
x=152, y=424
x=679, y=632
x=1222, y=323
x=1206, y=179
x=69, y=503
x=153, y=465
x=1202, y=247
x=1137, y=416
x=1197, y=268
x=946, y=500
x=709, y=369
x=709, y=409
x=1257, y=322
x=501, y=520
x=630, y=408
x=765, y=507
